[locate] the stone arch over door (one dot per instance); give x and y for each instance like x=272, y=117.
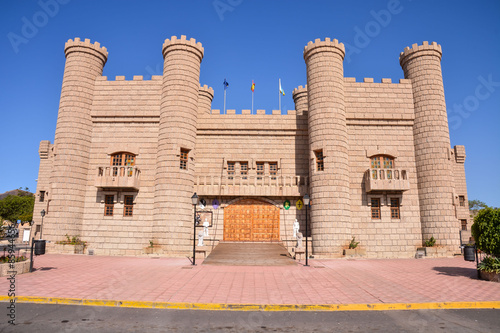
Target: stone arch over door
x=251, y=220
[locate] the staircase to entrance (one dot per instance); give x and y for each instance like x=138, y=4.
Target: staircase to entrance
x=249, y=254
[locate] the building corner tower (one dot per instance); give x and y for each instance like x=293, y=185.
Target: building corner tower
x=84, y=63
x=173, y=212
x=328, y=147
x=422, y=65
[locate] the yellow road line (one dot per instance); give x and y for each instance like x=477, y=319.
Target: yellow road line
x=255, y=307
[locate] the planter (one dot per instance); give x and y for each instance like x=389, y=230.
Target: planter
x=152, y=250
x=354, y=252
x=19, y=267
x=489, y=276
x=67, y=249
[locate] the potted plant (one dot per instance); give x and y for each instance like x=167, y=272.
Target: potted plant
x=486, y=232
x=152, y=248
x=353, y=249
x=72, y=244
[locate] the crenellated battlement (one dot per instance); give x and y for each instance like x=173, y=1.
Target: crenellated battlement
x=299, y=91
x=258, y=112
x=183, y=43
x=417, y=50
x=77, y=45
x=327, y=45
x=207, y=91
x=134, y=78
x=370, y=80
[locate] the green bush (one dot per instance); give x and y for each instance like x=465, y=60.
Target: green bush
x=489, y=264
x=431, y=242
x=353, y=244
x=486, y=231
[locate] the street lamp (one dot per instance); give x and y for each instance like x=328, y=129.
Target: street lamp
x=194, y=200
x=41, y=226
x=306, y=203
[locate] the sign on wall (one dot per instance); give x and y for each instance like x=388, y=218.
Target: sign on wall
x=286, y=204
x=299, y=204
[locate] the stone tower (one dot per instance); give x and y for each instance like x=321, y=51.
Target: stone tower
x=205, y=96
x=422, y=65
x=84, y=63
x=330, y=210
x=300, y=100
x=173, y=215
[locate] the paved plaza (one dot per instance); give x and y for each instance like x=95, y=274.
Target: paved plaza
x=324, y=282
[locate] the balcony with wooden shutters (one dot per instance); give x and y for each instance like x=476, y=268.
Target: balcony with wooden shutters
x=125, y=177
x=386, y=180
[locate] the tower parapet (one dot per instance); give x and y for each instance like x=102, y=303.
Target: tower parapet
x=176, y=141
x=84, y=64
x=422, y=66
x=205, y=96
x=300, y=98
x=328, y=146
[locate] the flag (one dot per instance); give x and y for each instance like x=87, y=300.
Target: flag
x=281, y=90
x=253, y=86
x=225, y=84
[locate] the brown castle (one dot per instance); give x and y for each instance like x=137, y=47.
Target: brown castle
x=375, y=159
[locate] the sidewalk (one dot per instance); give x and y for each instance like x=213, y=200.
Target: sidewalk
x=335, y=281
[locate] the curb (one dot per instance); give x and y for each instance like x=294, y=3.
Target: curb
x=255, y=307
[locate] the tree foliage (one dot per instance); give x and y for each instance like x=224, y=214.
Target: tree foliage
x=477, y=205
x=486, y=231
x=13, y=208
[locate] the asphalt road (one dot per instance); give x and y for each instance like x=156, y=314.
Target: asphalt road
x=73, y=318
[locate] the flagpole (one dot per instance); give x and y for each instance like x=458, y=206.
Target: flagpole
x=252, y=102
x=279, y=93
x=224, y=112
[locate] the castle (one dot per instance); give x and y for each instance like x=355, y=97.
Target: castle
x=375, y=159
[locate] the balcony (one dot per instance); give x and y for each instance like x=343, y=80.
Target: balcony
x=118, y=177
x=251, y=185
x=386, y=180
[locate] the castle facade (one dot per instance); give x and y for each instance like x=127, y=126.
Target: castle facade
x=374, y=157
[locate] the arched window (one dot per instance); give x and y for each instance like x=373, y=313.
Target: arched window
x=122, y=163
x=382, y=166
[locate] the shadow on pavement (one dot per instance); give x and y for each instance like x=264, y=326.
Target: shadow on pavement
x=457, y=271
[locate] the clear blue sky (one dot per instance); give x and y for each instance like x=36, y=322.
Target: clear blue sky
x=250, y=40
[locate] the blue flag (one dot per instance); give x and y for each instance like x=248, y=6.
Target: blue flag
x=225, y=84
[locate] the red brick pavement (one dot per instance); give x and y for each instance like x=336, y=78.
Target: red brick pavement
x=336, y=281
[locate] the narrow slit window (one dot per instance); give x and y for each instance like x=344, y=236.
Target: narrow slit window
x=109, y=205
x=184, y=159
x=244, y=170
x=128, y=207
x=464, y=224
x=461, y=200
x=395, y=208
x=42, y=196
x=273, y=170
x=320, y=166
x=375, y=208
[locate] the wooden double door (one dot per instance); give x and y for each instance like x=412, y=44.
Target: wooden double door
x=251, y=220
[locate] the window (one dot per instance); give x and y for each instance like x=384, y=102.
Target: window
x=386, y=162
x=273, y=170
x=122, y=163
x=395, y=208
x=375, y=208
x=244, y=170
x=230, y=170
x=42, y=196
x=128, y=207
x=464, y=224
x=461, y=200
x=109, y=204
x=260, y=170
x=320, y=166
x=184, y=158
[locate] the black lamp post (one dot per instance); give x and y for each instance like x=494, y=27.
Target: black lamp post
x=306, y=203
x=41, y=226
x=194, y=200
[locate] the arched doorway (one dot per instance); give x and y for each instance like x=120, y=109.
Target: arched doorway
x=251, y=220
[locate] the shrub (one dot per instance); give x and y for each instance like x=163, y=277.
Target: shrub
x=489, y=264
x=74, y=240
x=353, y=244
x=486, y=231
x=430, y=243
x=5, y=259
